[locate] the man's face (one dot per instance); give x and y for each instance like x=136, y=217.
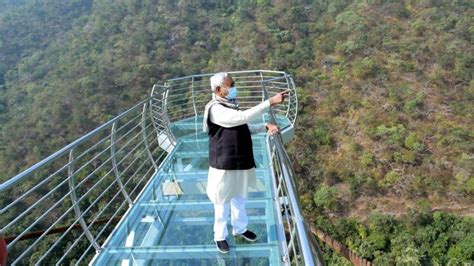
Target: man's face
x=226, y=85
x=228, y=82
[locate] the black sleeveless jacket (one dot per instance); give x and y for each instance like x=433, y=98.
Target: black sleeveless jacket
x=230, y=148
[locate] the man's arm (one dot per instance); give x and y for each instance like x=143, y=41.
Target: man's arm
x=227, y=117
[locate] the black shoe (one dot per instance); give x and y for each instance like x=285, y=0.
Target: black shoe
x=222, y=246
x=249, y=236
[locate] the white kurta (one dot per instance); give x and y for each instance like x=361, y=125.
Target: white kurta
x=223, y=185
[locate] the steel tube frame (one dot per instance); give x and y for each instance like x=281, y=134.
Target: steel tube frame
x=81, y=214
x=287, y=175
x=71, y=180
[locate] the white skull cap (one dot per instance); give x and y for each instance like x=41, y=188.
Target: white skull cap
x=217, y=80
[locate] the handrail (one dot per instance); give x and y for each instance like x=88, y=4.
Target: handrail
x=12, y=181
x=230, y=72
x=309, y=249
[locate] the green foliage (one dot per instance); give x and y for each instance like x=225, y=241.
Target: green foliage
x=412, y=142
x=350, y=20
x=409, y=256
x=386, y=240
x=462, y=251
x=393, y=134
x=411, y=105
x=366, y=159
x=364, y=68
x=390, y=179
x=339, y=72
x=361, y=183
x=325, y=198
x=375, y=242
x=321, y=136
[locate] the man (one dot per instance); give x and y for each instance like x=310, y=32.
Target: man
x=231, y=161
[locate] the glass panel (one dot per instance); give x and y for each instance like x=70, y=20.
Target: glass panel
x=242, y=255
x=163, y=229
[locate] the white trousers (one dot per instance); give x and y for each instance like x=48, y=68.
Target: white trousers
x=238, y=220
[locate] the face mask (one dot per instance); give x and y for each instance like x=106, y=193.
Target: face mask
x=232, y=93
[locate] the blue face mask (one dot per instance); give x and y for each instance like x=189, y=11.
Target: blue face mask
x=232, y=94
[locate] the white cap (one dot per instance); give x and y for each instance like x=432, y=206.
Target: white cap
x=217, y=80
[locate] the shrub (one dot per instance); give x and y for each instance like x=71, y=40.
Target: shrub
x=390, y=179
x=366, y=159
x=412, y=142
x=393, y=135
x=462, y=251
x=371, y=244
x=325, y=198
x=408, y=156
x=364, y=68
x=350, y=21
x=361, y=182
x=321, y=136
x=339, y=72
x=413, y=104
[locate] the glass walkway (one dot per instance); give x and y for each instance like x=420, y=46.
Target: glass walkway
x=163, y=228
x=133, y=191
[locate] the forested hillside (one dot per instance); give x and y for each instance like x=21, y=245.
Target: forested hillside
x=384, y=147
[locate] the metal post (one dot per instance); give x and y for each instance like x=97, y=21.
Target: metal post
x=114, y=164
x=193, y=95
x=295, y=96
x=75, y=203
x=145, y=139
x=166, y=118
x=151, y=109
x=289, y=97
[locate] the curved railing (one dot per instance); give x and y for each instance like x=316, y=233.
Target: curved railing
x=187, y=96
x=68, y=203
x=62, y=209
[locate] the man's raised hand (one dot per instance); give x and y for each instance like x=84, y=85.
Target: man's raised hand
x=279, y=98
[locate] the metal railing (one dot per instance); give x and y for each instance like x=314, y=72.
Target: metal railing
x=189, y=95
x=301, y=247
x=88, y=183
x=85, y=187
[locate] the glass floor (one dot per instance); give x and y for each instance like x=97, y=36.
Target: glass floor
x=164, y=229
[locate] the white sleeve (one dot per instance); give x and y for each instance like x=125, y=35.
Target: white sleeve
x=228, y=117
x=257, y=128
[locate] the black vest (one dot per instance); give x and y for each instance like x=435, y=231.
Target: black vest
x=230, y=148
